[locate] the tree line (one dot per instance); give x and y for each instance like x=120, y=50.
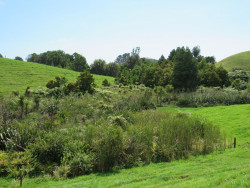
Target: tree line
x=184, y=69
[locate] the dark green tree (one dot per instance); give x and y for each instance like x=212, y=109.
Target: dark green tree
x=85, y=82
x=79, y=63
x=56, y=83
x=161, y=59
x=18, y=58
x=1, y=56
x=33, y=57
x=185, y=70
x=132, y=60
x=112, y=69
x=106, y=83
x=171, y=55
x=210, y=78
x=223, y=74
x=196, y=51
x=121, y=59
x=210, y=59
x=98, y=67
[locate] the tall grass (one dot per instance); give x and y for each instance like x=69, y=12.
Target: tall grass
x=213, y=96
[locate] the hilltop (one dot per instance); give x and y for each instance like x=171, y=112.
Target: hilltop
x=240, y=60
x=17, y=75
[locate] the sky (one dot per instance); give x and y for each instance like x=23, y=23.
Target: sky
x=104, y=29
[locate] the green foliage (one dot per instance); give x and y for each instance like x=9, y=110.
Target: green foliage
x=105, y=83
x=213, y=96
x=196, y=51
x=242, y=75
x=59, y=58
x=121, y=59
x=18, y=58
x=98, y=67
x=80, y=134
x=85, y=82
x=210, y=78
x=213, y=169
x=239, y=84
x=4, y=163
x=79, y=63
x=57, y=83
x=132, y=61
x=48, y=149
x=111, y=69
x=185, y=70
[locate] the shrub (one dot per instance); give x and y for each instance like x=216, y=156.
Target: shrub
x=4, y=163
x=49, y=149
x=183, y=102
x=108, y=147
x=106, y=83
x=61, y=171
x=80, y=164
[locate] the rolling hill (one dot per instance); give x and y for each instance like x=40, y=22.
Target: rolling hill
x=17, y=75
x=241, y=60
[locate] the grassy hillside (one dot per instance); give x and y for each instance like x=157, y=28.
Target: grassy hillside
x=241, y=60
x=17, y=75
x=230, y=168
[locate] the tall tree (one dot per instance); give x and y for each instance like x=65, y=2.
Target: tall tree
x=79, y=63
x=121, y=59
x=185, y=70
x=98, y=67
x=161, y=59
x=112, y=69
x=196, y=51
x=171, y=55
x=210, y=59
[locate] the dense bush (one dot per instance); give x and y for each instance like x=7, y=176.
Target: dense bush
x=213, y=96
x=112, y=128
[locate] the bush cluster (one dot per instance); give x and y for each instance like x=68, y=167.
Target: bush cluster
x=113, y=128
x=213, y=96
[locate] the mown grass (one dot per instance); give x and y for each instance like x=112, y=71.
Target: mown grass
x=230, y=168
x=17, y=75
x=241, y=60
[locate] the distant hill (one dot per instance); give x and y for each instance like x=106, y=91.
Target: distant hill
x=17, y=75
x=241, y=60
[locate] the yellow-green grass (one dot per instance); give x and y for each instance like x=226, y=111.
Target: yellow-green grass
x=230, y=168
x=17, y=75
x=241, y=60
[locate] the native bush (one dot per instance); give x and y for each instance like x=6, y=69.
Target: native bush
x=213, y=96
x=112, y=128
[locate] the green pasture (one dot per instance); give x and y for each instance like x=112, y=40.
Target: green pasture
x=241, y=60
x=17, y=75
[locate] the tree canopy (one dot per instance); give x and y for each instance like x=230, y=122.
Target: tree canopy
x=185, y=72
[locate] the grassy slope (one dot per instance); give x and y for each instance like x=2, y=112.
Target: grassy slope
x=230, y=168
x=17, y=75
x=241, y=60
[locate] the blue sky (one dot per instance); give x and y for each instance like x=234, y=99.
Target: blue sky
x=106, y=28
